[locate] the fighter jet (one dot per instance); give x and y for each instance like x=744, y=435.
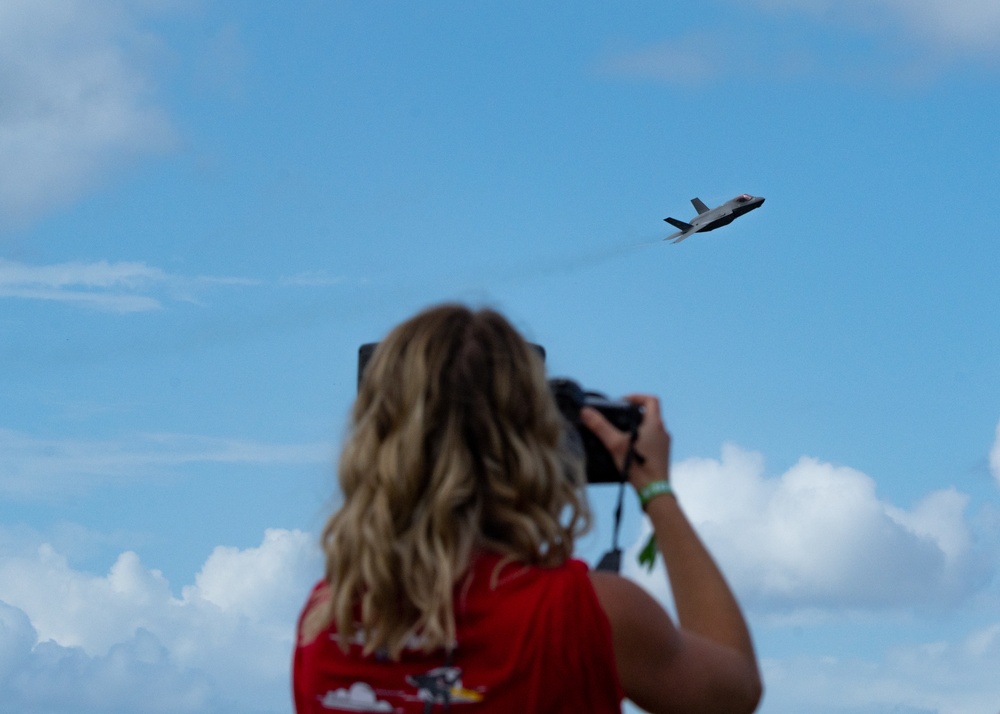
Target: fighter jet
x=708, y=219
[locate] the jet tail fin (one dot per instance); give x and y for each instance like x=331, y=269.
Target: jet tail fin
x=699, y=206
x=679, y=224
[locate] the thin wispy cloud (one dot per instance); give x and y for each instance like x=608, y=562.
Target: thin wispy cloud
x=692, y=60
x=703, y=59
x=959, y=26
x=33, y=467
x=104, y=285
x=890, y=43
x=995, y=457
x=316, y=278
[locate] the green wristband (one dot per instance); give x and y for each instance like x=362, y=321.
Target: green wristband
x=651, y=490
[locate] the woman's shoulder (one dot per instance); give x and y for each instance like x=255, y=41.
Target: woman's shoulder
x=320, y=593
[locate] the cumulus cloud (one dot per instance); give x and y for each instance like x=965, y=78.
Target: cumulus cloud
x=816, y=536
x=102, y=285
x=135, y=675
x=72, y=641
x=254, y=582
x=34, y=467
x=75, y=99
x=819, y=536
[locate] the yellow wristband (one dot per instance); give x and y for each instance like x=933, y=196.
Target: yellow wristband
x=651, y=490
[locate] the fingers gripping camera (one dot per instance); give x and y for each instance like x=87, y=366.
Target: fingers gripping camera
x=571, y=398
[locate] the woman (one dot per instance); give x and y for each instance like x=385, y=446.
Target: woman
x=449, y=578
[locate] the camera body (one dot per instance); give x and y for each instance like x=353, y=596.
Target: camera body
x=570, y=397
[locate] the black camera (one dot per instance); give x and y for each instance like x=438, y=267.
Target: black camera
x=571, y=398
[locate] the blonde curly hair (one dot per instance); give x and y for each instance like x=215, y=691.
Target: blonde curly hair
x=455, y=445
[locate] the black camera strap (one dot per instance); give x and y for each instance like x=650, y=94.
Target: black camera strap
x=612, y=560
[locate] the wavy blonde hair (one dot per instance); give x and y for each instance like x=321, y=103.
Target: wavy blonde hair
x=455, y=445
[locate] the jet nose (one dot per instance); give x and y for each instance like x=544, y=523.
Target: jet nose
x=760, y=200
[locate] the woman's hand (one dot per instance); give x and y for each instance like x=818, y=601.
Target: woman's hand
x=652, y=447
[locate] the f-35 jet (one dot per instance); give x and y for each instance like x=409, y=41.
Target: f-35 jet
x=708, y=219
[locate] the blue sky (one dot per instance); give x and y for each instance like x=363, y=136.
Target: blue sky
x=205, y=207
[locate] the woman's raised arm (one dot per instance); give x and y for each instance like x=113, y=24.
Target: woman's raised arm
x=707, y=663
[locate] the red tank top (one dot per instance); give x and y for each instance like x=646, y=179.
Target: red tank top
x=530, y=639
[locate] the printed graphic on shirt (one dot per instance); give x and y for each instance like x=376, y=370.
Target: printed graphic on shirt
x=442, y=685
x=359, y=698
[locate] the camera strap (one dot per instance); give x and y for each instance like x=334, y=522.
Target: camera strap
x=612, y=560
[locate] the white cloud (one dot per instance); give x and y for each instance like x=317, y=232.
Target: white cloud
x=75, y=100
x=359, y=698
x=939, y=518
x=34, y=467
x=72, y=641
x=135, y=676
x=957, y=675
x=816, y=550
x=100, y=274
x=818, y=536
x=317, y=278
x=698, y=59
x=959, y=25
x=995, y=457
x=128, y=286
x=253, y=582
x=898, y=43
x=112, y=287
x=686, y=61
